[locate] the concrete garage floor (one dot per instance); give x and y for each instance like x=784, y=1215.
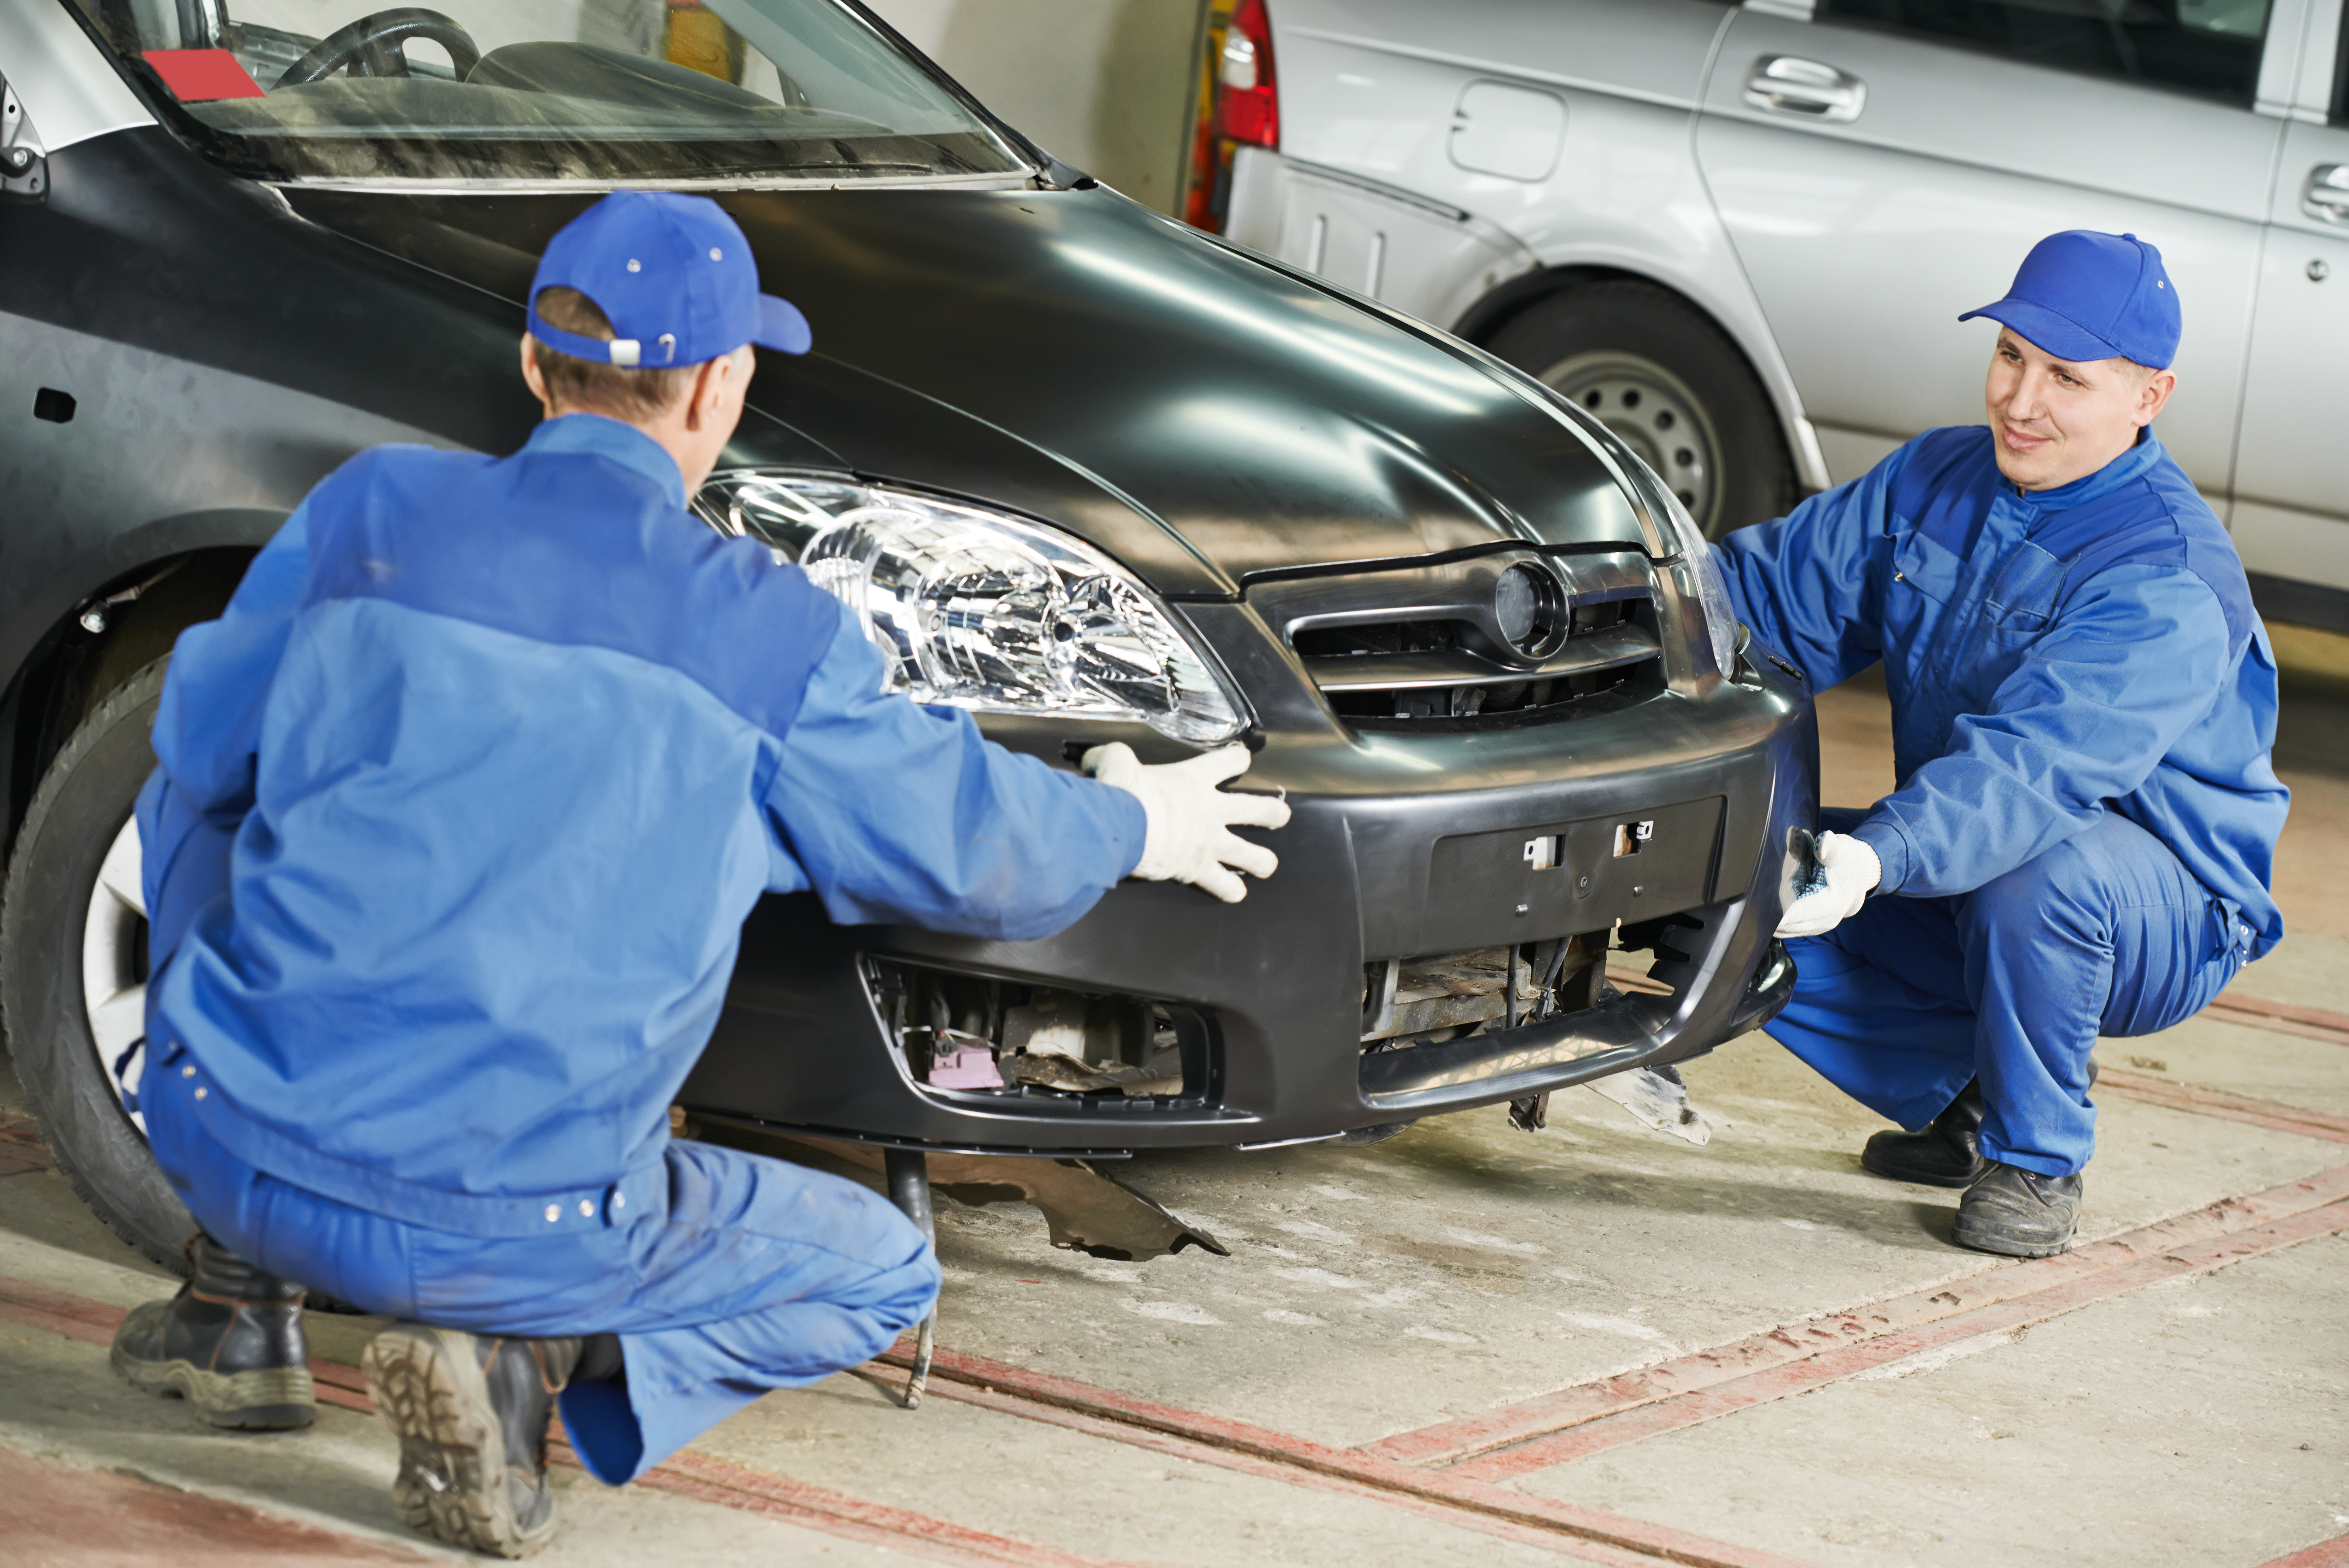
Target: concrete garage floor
x=1468, y=1346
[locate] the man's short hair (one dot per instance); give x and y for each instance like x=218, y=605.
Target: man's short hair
x=623, y=392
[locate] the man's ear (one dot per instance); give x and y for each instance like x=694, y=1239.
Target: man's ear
x=707, y=392
x=532, y=379
x=2155, y=393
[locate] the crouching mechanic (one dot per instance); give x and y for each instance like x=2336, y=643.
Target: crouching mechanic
x=462, y=805
x=2083, y=703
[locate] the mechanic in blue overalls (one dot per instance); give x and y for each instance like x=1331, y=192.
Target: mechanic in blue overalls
x=2082, y=703
x=462, y=805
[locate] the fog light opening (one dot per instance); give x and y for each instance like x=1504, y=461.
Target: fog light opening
x=1447, y=996
x=975, y=1034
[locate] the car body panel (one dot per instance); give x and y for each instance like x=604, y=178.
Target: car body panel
x=1865, y=240
x=1282, y=972
x=2292, y=507
x=1163, y=377
x=1372, y=94
x=70, y=92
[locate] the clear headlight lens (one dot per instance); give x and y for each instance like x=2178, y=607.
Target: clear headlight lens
x=1712, y=591
x=976, y=610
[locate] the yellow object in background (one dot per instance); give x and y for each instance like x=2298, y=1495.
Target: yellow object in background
x=699, y=40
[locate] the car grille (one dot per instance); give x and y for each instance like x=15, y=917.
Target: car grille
x=1416, y=649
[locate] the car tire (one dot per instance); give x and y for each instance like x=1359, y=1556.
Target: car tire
x=70, y=929
x=1661, y=376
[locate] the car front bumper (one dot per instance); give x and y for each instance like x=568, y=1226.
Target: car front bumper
x=1398, y=847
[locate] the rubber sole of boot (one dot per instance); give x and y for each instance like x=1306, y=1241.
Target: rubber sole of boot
x=267, y=1399
x=429, y=1391
x=1992, y=1238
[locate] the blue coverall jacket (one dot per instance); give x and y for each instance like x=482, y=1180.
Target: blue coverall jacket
x=2085, y=818
x=460, y=807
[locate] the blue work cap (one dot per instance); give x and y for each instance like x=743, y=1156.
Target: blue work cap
x=675, y=277
x=2084, y=296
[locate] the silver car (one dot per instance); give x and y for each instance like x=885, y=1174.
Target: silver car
x=1742, y=235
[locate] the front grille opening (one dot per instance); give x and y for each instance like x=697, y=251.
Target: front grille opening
x=966, y=1034
x=1443, y=997
x=1481, y=705
x=1387, y=636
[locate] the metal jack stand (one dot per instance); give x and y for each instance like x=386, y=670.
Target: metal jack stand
x=908, y=1172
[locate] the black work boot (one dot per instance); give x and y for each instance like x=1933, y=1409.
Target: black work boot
x=229, y=1344
x=1944, y=1152
x=2019, y=1212
x=470, y=1413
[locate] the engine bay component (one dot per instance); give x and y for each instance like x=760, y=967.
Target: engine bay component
x=972, y=1033
x=1427, y=1000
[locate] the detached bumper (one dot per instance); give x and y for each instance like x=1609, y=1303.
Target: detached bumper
x=1399, y=846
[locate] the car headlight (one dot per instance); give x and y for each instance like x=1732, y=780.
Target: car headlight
x=1689, y=543
x=974, y=609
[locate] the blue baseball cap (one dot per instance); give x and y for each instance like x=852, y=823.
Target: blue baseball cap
x=2084, y=296
x=674, y=276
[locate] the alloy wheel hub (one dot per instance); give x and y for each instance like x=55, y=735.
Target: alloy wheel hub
x=114, y=967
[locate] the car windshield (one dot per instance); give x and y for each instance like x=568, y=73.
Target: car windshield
x=596, y=91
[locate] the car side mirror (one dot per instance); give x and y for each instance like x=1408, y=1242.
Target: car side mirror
x=23, y=162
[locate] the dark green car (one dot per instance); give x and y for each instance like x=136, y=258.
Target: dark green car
x=1107, y=478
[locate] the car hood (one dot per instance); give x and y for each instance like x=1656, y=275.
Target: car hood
x=1189, y=407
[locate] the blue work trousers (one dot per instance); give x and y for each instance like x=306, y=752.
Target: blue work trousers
x=2106, y=933
x=759, y=1275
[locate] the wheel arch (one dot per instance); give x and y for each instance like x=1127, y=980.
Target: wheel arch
x=1508, y=300
x=143, y=588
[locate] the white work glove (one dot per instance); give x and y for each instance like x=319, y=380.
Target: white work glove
x=1190, y=837
x=1849, y=871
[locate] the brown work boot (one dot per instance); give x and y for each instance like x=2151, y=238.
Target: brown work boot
x=470, y=1413
x=229, y=1344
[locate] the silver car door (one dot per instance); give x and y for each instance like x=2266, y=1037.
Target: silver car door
x=1878, y=178
x=2292, y=503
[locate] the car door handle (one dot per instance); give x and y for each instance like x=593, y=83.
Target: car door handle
x=2325, y=194
x=1805, y=90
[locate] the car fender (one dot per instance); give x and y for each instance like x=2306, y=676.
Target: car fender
x=1625, y=198
x=1733, y=310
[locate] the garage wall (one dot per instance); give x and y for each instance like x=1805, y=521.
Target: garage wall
x=1104, y=85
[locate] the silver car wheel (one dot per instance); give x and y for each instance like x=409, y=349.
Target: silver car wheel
x=114, y=966
x=1657, y=415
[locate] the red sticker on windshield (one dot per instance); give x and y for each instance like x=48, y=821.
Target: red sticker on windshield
x=199, y=75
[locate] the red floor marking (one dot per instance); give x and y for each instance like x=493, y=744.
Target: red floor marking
x=1846, y=1361
x=21, y=1148
x=1450, y=1442
x=2313, y=1022
x=756, y=1491
x=2333, y=1553
x=75, y=1317
x=54, y=1516
x=2230, y=1108
x=1446, y=1511
x=1234, y=1444
x=687, y=1474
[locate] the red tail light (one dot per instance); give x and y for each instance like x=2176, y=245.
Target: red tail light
x=1247, y=99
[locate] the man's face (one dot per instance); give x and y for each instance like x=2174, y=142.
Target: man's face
x=2054, y=421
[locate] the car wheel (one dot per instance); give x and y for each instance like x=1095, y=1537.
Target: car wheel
x=1669, y=382
x=73, y=968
